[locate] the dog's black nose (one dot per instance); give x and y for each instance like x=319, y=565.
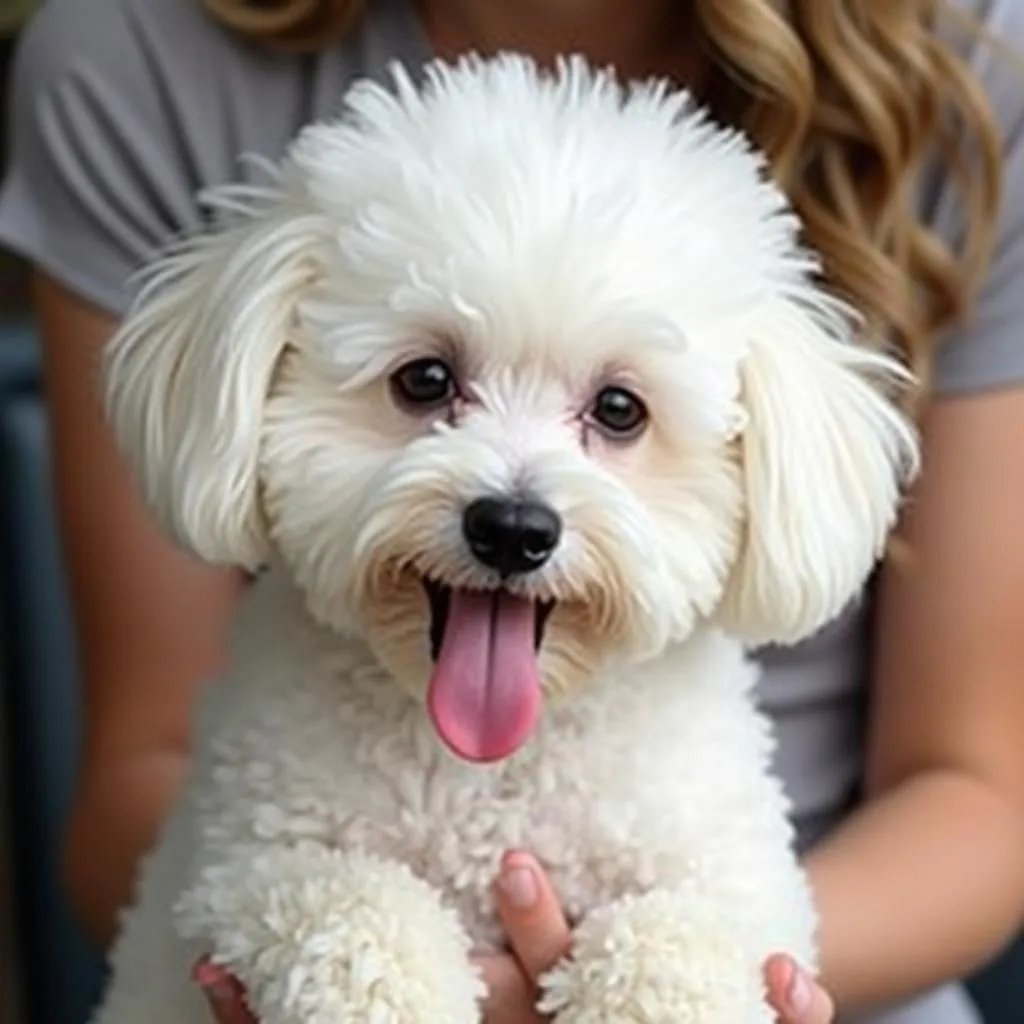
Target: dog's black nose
x=511, y=536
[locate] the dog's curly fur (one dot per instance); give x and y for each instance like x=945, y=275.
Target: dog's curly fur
x=542, y=236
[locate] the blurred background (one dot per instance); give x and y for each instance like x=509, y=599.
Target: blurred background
x=48, y=973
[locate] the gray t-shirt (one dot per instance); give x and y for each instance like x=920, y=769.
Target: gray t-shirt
x=124, y=109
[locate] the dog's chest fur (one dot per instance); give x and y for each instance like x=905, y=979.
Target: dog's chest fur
x=626, y=784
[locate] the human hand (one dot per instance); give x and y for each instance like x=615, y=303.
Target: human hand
x=539, y=936
x=532, y=919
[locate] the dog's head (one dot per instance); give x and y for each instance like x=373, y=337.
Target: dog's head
x=515, y=374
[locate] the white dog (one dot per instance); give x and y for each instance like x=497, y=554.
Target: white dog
x=522, y=393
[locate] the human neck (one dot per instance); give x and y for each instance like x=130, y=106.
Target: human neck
x=640, y=38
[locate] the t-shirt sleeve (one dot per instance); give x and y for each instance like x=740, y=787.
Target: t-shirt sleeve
x=987, y=351
x=97, y=179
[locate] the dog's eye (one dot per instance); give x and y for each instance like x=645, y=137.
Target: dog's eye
x=618, y=413
x=424, y=382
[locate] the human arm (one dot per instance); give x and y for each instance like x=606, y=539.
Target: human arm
x=149, y=620
x=99, y=177
x=926, y=881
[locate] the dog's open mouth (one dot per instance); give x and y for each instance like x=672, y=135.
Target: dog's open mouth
x=440, y=596
x=484, y=694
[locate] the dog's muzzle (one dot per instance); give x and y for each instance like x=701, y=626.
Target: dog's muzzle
x=484, y=694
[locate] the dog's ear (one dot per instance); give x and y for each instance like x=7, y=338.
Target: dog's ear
x=825, y=452
x=186, y=377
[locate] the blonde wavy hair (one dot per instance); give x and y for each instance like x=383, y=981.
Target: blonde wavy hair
x=852, y=100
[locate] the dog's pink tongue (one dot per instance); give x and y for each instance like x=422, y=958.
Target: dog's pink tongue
x=484, y=695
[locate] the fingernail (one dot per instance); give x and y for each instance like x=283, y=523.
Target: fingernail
x=800, y=993
x=520, y=886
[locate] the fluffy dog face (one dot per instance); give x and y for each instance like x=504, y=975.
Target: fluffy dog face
x=515, y=374
x=461, y=499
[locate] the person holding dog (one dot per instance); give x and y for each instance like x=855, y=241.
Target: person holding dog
x=895, y=126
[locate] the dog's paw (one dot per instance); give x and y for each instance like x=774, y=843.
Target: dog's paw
x=321, y=937
x=662, y=958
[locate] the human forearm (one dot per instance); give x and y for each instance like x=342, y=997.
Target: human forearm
x=114, y=823
x=921, y=885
